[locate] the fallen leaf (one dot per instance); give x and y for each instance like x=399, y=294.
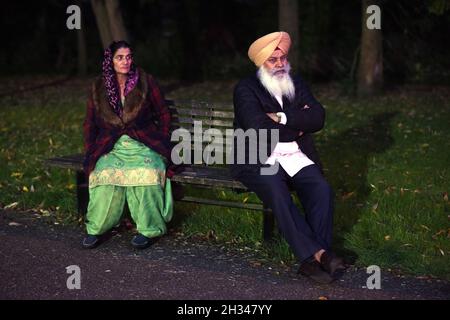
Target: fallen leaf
x=442, y=231
x=345, y=196
x=17, y=175
x=375, y=207
x=11, y=205
x=211, y=235
x=45, y=213
x=41, y=205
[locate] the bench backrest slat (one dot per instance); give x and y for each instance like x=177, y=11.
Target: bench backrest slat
x=208, y=122
x=200, y=105
x=205, y=113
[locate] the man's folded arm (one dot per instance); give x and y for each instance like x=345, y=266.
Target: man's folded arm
x=309, y=116
x=249, y=114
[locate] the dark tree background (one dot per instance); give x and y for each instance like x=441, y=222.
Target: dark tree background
x=198, y=40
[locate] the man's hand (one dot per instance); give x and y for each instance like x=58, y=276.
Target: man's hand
x=274, y=117
x=277, y=119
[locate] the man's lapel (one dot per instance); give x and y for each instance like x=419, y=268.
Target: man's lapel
x=286, y=103
x=271, y=101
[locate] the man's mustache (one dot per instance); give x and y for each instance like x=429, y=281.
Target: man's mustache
x=275, y=71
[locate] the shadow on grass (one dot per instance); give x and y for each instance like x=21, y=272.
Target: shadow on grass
x=346, y=158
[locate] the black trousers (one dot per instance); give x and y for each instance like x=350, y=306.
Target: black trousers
x=305, y=234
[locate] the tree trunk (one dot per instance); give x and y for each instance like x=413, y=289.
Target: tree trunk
x=81, y=46
x=116, y=25
x=370, y=70
x=101, y=17
x=288, y=22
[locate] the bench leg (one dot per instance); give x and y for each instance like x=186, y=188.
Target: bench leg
x=268, y=224
x=82, y=193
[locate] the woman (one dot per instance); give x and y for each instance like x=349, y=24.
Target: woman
x=127, y=144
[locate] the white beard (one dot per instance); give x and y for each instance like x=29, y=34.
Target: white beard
x=277, y=85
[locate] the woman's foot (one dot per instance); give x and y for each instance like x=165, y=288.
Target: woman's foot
x=91, y=241
x=141, y=242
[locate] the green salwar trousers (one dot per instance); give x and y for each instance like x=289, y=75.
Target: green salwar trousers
x=148, y=207
x=134, y=173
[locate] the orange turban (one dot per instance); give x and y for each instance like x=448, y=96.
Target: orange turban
x=262, y=49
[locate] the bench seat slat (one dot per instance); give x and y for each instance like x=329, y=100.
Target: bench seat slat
x=192, y=174
x=74, y=161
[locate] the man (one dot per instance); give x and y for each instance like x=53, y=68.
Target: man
x=272, y=100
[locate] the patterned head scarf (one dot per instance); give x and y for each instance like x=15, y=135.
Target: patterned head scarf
x=110, y=78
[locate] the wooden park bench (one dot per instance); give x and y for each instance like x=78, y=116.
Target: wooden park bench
x=197, y=175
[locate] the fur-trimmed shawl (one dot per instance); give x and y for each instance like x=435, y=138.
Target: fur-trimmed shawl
x=145, y=118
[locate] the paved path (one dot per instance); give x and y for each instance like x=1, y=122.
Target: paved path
x=34, y=255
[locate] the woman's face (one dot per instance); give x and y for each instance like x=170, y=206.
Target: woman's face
x=122, y=60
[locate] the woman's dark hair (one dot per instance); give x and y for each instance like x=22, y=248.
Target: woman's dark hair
x=116, y=45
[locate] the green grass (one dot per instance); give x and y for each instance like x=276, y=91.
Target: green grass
x=387, y=159
x=36, y=125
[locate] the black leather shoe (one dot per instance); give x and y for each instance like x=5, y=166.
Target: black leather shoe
x=313, y=270
x=141, y=242
x=331, y=263
x=91, y=241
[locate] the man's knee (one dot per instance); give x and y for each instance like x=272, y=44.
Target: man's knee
x=324, y=189
x=274, y=194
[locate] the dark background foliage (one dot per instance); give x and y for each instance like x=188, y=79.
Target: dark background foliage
x=201, y=39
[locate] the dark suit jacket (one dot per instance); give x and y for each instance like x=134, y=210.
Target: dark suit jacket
x=251, y=103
